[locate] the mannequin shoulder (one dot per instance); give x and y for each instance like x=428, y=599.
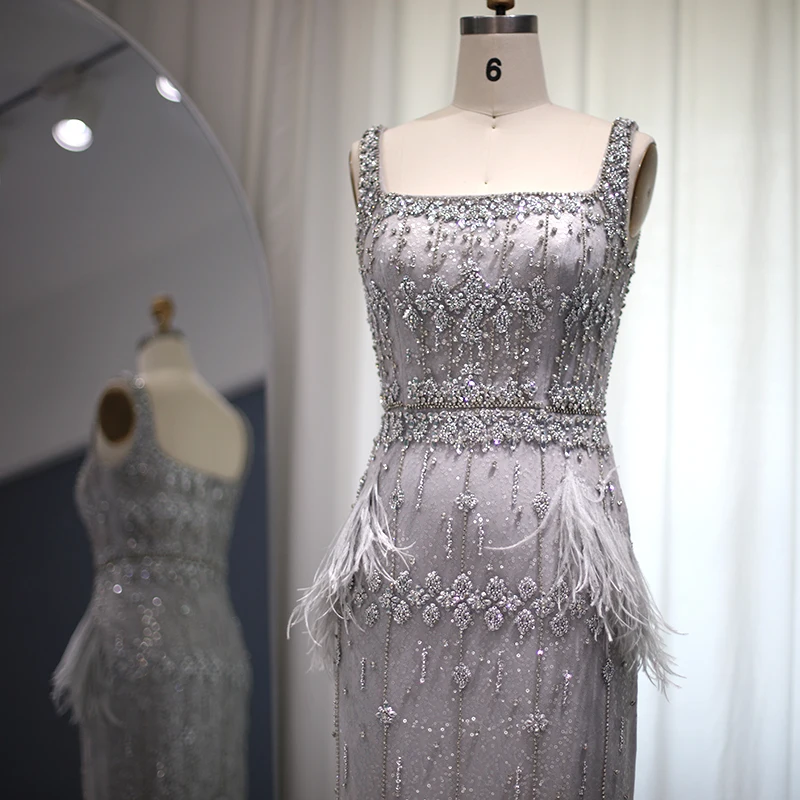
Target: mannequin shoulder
x=644, y=154
x=641, y=185
x=407, y=133
x=388, y=137
x=355, y=168
x=643, y=164
x=215, y=415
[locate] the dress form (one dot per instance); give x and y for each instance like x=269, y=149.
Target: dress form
x=505, y=135
x=488, y=317
x=194, y=424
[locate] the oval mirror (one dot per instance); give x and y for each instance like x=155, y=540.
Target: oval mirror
x=112, y=191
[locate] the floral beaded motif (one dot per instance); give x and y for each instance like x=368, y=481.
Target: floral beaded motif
x=462, y=603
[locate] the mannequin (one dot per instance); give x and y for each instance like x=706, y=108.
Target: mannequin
x=502, y=134
x=195, y=425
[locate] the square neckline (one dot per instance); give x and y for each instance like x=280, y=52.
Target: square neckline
x=592, y=192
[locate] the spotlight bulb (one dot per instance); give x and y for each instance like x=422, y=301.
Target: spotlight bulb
x=73, y=135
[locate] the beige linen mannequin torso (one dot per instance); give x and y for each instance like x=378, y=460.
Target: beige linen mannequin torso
x=505, y=135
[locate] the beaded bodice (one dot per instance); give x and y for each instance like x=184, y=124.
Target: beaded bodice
x=151, y=506
x=503, y=306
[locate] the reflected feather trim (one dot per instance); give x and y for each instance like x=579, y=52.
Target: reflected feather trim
x=82, y=682
x=362, y=546
x=595, y=555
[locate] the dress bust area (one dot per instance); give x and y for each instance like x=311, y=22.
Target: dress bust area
x=193, y=423
x=505, y=136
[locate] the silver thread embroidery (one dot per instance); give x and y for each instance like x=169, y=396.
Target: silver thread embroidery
x=398, y=779
x=584, y=773
x=481, y=535
x=498, y=681
x=427, y=461
x=515, y=486
x=448, y=542
x=542, y=500
x=565, y=692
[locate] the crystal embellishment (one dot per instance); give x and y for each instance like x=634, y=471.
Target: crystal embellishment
x=535, y=723
x=540, y=504
x=431, y=614
x=466, y=501
x=386, y=714
x=461, y=676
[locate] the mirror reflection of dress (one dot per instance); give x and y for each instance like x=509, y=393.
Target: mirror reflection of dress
x=157, y=674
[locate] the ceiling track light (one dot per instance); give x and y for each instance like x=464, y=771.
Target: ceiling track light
x=61, y=79
x=74, y=130
x=73, y=134
x=167, y=89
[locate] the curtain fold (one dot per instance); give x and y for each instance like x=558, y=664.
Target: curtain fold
x=704, y=406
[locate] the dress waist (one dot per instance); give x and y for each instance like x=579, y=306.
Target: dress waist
x=158, y=567
x=488, y=426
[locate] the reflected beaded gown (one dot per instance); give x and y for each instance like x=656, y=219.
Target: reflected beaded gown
x=157, y=674
x=482, y=609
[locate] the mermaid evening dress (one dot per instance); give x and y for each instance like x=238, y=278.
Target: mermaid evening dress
x=482, y=610
x=157, y=674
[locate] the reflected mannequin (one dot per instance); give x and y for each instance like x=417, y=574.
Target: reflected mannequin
x=157, y=674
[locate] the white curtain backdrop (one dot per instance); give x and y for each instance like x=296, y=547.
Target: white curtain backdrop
x=705, y=391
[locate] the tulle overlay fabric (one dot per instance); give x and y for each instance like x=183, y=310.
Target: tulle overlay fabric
x=482, y=610
x=156, y=673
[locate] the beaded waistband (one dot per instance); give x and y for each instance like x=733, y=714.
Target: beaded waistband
x=143, y=564
x=488, y=427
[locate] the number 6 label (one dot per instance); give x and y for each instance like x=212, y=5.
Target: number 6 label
x=493, y=71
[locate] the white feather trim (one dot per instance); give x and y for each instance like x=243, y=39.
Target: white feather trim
x=362, y=546
x=595, y=555
x=83, y=679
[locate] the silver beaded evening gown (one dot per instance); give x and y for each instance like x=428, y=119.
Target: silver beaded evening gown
x=157, y=674
x=482, y=609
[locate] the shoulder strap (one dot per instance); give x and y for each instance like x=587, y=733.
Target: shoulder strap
x=615, y=176
x=369, y=180
x=143, y=430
